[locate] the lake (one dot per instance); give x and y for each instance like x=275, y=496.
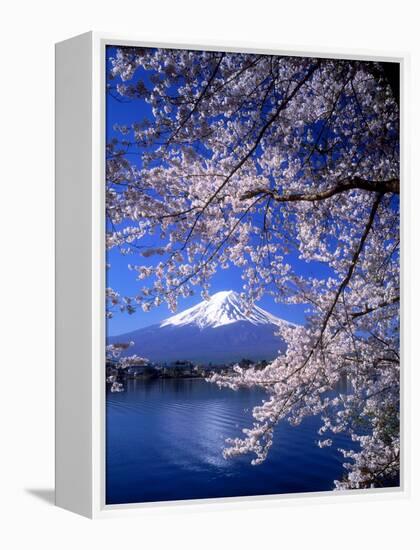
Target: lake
x=164, y=441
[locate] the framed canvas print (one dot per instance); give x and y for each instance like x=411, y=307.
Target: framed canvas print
x=228, y=274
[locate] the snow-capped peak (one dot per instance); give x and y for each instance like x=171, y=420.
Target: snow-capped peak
x=223, y=308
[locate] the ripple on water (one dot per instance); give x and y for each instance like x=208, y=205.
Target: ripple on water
x=164, y=441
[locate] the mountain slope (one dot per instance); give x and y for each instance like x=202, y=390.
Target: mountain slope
x=223, y=308
x=216, y=331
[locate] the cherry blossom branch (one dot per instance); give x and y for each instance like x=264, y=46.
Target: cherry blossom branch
x=387, y=186
x=368, y=310
x=251, y=151
x=343, y=284
x=199, y=99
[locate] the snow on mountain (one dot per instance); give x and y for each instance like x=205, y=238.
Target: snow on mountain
x=216, y=331
x=223, y=308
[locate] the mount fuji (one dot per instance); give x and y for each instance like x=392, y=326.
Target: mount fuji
x=216, y=331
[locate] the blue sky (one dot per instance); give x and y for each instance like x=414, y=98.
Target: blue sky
x=120, y=278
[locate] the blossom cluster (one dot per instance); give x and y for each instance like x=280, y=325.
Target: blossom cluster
x=114, y=356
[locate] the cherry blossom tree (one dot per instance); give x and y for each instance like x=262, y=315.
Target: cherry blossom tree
x=270, y=163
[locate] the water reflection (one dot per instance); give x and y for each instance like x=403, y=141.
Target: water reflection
x=165, y=441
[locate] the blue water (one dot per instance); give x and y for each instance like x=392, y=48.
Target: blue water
x=164, y=441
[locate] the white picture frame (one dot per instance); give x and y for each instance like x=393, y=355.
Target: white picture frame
x=80, y=277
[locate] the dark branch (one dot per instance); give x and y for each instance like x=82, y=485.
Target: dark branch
x=387, y=186
x=371, y=309
x=344, y=282
x=353, y=263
